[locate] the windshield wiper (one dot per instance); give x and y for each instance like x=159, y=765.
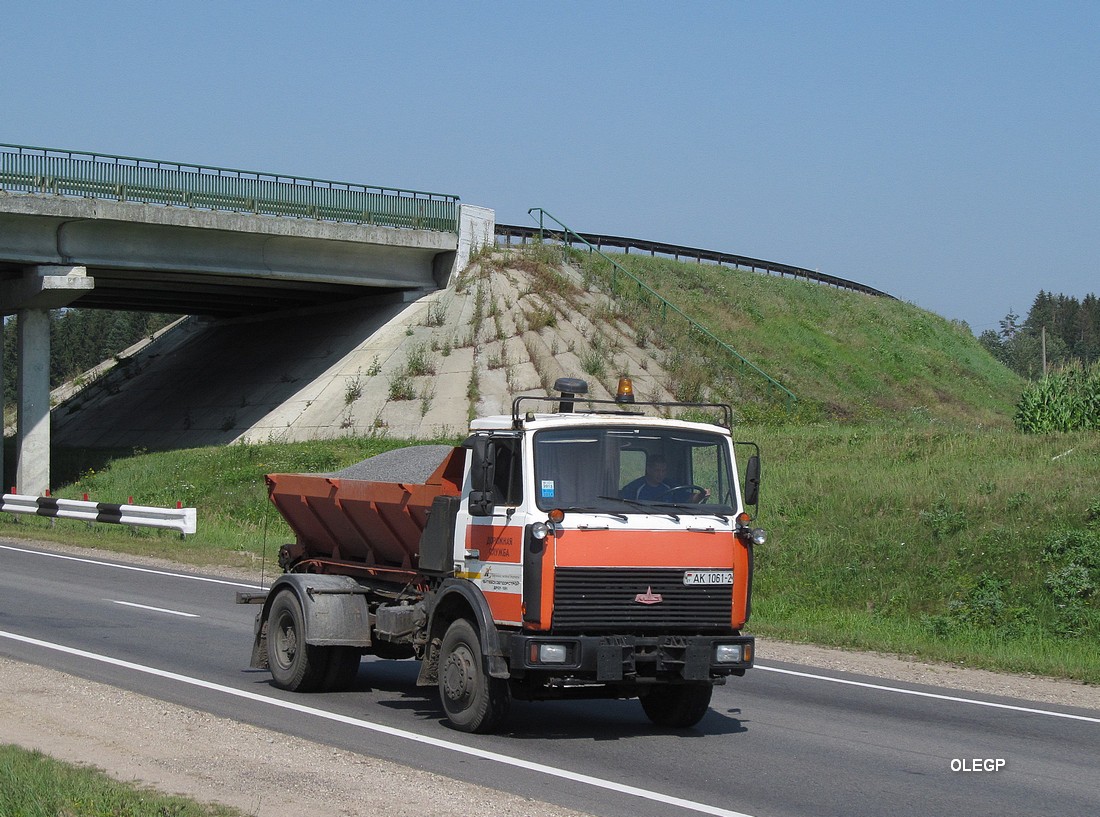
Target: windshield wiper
x=622, y=499
x=644, y=507
x=693, y=506
x=670, y=505
x=612, y=514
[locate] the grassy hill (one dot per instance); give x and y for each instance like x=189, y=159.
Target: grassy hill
x=845, y=355
x=905, y=514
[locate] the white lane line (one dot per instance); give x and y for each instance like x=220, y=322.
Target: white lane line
x=881, y=687
x=133, y=567
x=154, y=609
x=935, y=695
x=494, y=757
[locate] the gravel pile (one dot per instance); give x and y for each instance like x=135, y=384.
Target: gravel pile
x=413, y=464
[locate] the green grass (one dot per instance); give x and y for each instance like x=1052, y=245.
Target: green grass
x=33, y=785
x=845, y=355
x=978, y=546
x=941, y=542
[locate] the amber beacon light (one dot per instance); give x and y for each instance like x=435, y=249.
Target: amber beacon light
x=625, y=392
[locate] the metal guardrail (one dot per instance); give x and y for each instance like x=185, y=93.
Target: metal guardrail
x=678, y=251
x=125, y=178
x=183, y=520
x=564, y=234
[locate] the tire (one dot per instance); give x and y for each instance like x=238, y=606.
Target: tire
x=677, y=706
x=343, y=668
x=295, y=665
x=472, y=700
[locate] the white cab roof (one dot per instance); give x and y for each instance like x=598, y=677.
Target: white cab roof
x=502, y=422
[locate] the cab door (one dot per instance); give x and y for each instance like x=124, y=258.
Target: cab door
x=493, y=521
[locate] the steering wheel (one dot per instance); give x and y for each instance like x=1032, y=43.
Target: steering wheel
x=694, y=489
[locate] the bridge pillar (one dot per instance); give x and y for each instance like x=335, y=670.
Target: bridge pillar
x=32, y=297
x=32, y=462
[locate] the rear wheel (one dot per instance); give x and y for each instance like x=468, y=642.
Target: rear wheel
x=343, y=667
x=295, y=665
x=677, y=706
x=473, y=700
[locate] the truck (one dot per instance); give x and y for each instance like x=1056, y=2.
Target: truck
x=576, y=548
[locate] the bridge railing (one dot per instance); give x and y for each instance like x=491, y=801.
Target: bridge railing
x=638, y=289
x=125, y=178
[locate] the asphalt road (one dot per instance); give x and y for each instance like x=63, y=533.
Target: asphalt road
x=783, y=740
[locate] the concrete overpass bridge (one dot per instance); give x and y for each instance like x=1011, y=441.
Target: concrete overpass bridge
x=97, y=231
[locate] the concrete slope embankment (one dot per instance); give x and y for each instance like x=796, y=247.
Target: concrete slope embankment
x=409, y=369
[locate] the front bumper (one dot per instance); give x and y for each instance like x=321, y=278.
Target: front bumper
x=629, y=658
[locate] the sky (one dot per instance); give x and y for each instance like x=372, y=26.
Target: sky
x=947, y=153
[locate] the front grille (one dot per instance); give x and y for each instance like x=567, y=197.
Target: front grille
x=603, y=600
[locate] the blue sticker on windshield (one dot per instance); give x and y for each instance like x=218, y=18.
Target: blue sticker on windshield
x=548, y=489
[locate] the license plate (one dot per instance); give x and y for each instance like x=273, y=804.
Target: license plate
x=692, y=577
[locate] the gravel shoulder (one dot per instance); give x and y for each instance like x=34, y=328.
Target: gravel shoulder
x=268, y=774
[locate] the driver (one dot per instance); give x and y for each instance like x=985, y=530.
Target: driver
x=652, y=485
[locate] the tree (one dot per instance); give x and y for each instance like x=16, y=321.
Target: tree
x=1087, y=330
x=1071, y=327
x=79, y=340
x=996, y=346
x=1010, y=326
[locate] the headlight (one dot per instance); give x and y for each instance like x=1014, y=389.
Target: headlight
x=539, y=530
x=727, y=654
x=759, y=536
x=549, y=653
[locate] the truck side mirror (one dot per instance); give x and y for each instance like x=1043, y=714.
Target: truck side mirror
x=752, y=480
x=483, y=468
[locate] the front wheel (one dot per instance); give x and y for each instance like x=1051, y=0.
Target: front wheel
x=473, y=700
x=678, y=706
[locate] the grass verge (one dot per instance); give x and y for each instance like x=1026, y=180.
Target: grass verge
x=975, y=546
x=34, y=785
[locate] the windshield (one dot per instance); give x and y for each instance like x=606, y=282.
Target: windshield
x=634, y=470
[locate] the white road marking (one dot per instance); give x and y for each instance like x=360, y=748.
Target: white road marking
x=935, y=695
x=133, y=567
x=154, y=609
x=494, y=757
